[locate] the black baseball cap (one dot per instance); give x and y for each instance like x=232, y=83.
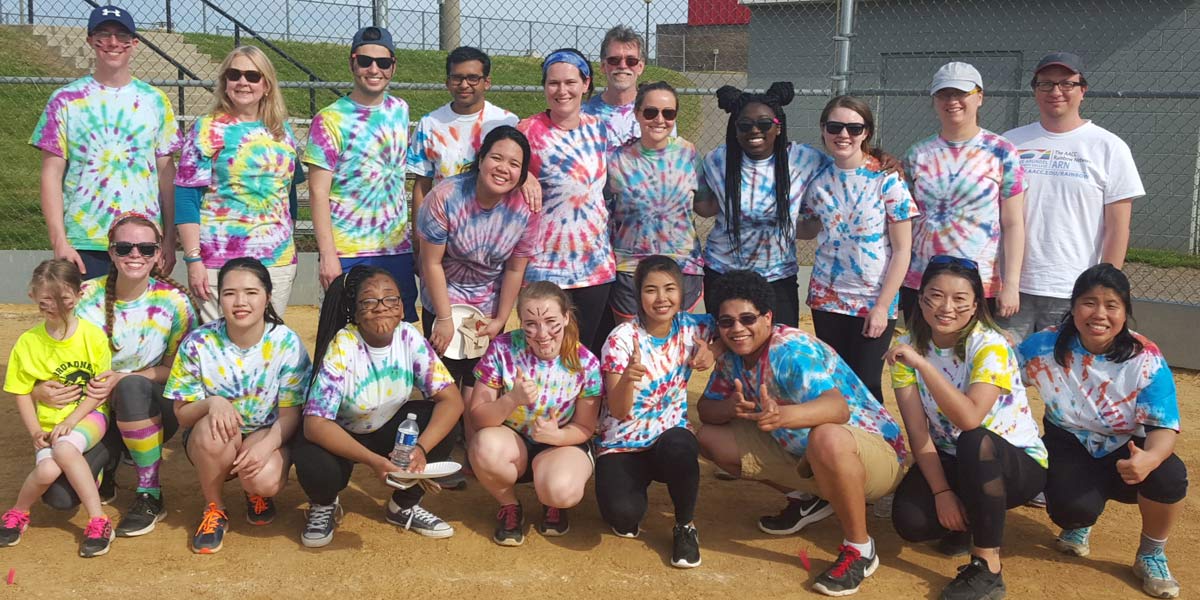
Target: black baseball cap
x=1066, y=60
x=110, y=14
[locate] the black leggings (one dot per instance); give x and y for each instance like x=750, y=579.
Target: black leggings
x=1078, y=485
x=787, y=298
x=591, y=308
x=623, y=477
x=989, y=475
x=324, y=474
x=863, y=354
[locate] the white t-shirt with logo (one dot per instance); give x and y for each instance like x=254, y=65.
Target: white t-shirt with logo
x=1070, y=178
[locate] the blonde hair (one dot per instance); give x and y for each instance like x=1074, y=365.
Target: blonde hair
x=57, y=275
x=544, y=290
x=271, y=109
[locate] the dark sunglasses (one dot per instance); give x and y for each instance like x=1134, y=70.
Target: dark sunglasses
x=372, y=303
x=364, y=61
x=630, y=61
x=947, y=260
x=746, y=319
x=232, y=74
x=146, y=249
x=650, y=113
x=764, y=124
x=836, y=127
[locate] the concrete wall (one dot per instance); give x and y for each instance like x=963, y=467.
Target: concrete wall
x=695, y=44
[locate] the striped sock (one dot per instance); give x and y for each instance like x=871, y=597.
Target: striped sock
x=145, y=446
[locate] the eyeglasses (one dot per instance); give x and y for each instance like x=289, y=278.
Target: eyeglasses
x=949, y=95
x=1065, y=86
x=252, y=76
x=947, y=260
x=650, y=113
x=373, y=303
x=123, y=37
x=630, y=61
x=471, y=80
x=764, y=124
x=146, y=249
x=835, y=128
x=746, y=319
x=364, y=61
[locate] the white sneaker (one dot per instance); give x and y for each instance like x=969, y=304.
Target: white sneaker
x=418, y=520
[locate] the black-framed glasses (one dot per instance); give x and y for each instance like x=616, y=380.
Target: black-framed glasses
x=836, y=127
x=373, y=303
x=630, y=61
x=1048, y=86
x=947, y=260
x=364, y=61
x=471, y=80
x=252, y=76
x=146, y=249
x=746, y=319
x=763, y=124
x=650, y=113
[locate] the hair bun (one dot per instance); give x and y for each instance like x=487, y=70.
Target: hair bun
x=783, y=91
x=728, y=98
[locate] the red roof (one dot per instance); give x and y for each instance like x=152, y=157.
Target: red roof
x=717, y=12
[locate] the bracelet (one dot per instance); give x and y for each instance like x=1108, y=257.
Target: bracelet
x=192, y=259
x=423, y=450
x=943, y=491
x=444, y=318
x=193, y=253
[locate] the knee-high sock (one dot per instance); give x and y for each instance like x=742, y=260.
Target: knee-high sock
x=145, y=446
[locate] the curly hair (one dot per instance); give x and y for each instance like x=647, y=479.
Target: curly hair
x=741, y=285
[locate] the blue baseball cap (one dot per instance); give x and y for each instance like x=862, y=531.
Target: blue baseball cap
x=110, y=14
x=373, y=35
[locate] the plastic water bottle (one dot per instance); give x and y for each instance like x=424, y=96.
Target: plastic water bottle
x=406, y=438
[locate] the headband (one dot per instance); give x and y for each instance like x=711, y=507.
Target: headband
x=571, y=58
x=133, y=214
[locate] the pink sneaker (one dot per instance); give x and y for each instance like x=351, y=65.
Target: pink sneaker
x=12, y=524
x=97, y=537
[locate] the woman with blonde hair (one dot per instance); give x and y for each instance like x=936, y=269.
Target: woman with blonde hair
x=235, y=171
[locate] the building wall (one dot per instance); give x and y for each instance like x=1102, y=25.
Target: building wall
x=698, y=43
x=717, y=12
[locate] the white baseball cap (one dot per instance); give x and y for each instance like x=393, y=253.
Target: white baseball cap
x=958, y=75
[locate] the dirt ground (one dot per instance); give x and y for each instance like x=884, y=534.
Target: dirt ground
x=369, y=558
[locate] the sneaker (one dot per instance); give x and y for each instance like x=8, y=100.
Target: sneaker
x=883, y=507
x=685, y=552
x=107, y=486
x=1156, y=577
x=723, y=475
x=843, y=577
x=12, y=524
x=211, y=532
x=142, y=516
x=453, y=481
x=955, y=543
x=322, y=520
x=418, y=520
x=554, y=522
x=97, y=537
x=510, y=526
x=629, y=535
x=797, y=515
x=975, y=582
x=1074, y=542
x=1038, y=501
x=259, y=510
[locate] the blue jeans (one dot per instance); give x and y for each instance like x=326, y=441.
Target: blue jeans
x=401, y=268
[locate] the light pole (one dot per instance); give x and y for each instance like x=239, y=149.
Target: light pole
x=647, y=33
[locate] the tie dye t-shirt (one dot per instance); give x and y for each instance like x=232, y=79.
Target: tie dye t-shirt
x=621, y=122
x=146, y=330
x=571, y=165
x=258, y=381
x=248, y=174
x=855, y=207
x=797, y=368
x=111, y=139
x=362, y=388
x=650, y=196
x=558, y=387
x=478, y=241
x=365, y=147
x=763, y=249
x=662, y=401
x=958, y=188
x=444, y=143
x=1104, y=403
x=989, y=360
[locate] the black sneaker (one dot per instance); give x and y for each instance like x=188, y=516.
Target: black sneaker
x=211, y=532
x=142, y=516
x=797, y=515
x=554, y=522
x=97, y=537
x=975, y=582
x=107, y=486
x=685, y=552
x=843, y=577
x=12, y=524
x=510, y=526
x=955, y=543
x=259, y=510
x=322, y=519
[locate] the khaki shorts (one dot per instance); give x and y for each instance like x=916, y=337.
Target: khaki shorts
x=281, y=284
x=763, y=458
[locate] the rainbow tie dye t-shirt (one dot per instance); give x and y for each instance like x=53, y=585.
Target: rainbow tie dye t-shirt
x=362, y=388
x=478, y=242
x=248, y=174
x=958, y=188
x=444, y=143
x=111, y=139
x=1104, y=403
x=365, y=147
x=558, y=387
x=571, y=165
x=258, y=381
x=147, y=330
x=855, y=207
x=650, y=194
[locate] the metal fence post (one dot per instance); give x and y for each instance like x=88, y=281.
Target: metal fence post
x=845, y=30
x=170, y=22
x=30, y=13
x=237, y=36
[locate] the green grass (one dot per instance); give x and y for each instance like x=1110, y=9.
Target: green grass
x=1165, y=259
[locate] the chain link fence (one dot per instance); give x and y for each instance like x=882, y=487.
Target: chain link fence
x=1141, y=56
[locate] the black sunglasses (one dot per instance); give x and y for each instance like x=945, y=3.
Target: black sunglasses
x=650, y=113
x=947, y=260
x=764, y=124
x=836, y=127
x=232, y=74
x=630, y=61
x=746, y=319
x=146, y=249
x=383, y=62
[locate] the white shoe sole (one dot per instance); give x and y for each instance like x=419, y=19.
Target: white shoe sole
x=869, y=571
x=143, y=531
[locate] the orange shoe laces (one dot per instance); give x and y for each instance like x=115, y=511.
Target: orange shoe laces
x=260, y=504
x=212, y=518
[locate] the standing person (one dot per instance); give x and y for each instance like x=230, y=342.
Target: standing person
x=569, y=160
x=1082, y=181
x=356, y=152
x=107, y=141
x=644, y=435
x=973, y=436
x=1112, y=422
x=368, y=362
x=652, y=184
x=622, y=59
x=862, y=221
x=783, y=409
x=234, y=176
x=970, y=189
x=238, y=386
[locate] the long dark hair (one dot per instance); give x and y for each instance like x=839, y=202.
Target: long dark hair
x=340, y=306
x=922, y=333
x=252, y=265
x=734, y=101
x=504, y=132
x=1124, y=346
x=656, y=264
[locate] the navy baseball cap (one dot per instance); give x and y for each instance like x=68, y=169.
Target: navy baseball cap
x=373, y=35
x=1066, y=60
x=110, y=14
